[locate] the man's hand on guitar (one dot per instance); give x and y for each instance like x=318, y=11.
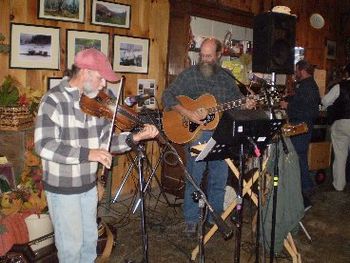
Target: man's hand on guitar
x=195, y=116
x=250, y=104
x=198, y=115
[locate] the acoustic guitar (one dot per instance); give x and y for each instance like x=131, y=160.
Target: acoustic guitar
x=180, y=129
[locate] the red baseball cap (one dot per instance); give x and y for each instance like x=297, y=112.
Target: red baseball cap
x=95, y=60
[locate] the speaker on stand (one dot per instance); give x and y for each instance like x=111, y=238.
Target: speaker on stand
x=273, y=43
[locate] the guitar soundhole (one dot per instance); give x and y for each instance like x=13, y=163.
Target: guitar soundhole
x=193, y=126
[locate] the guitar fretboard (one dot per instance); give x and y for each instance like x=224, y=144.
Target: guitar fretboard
x=227, y=106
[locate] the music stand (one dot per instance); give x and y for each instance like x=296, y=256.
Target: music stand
x=230, y=134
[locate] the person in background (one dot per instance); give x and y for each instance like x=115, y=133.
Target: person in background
x=205, y=77
x=337, y=102
x=71, y=144
x=303, y=106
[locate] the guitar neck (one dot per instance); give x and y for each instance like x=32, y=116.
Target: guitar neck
x=227, y=106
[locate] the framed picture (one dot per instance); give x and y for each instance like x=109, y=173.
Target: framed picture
x=147, y=86
x=79, y=40
x=67, y=10
x=331, y=49
x=130, y=54
x=110, y=14
x=34, y=47
x=53, y=81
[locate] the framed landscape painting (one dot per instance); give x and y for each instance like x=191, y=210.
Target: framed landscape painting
x=79, y=40
x=110, y=14
x=34, y=47
x=130, y=54
x=67, y=10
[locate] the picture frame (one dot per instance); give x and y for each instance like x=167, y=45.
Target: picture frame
x=331, y=49
x=110, y=14
x=34, y=47
x=130, y=54
x=72, y=11
x=78, y=40
x=149, y=87
x=53, y=81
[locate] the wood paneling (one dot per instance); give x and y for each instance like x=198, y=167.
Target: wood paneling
x=151, y=18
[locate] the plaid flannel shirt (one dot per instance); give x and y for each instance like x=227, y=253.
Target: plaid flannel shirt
x=191, y=83
x=63, y=136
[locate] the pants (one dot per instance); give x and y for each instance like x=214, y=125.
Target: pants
x=217, y=178
x=340, y=135
x=301, y=146
x=75, y=227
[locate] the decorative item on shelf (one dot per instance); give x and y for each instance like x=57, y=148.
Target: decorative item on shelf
x=227, y=44
x=17, y=108
x=232, y=47
x=282, y=10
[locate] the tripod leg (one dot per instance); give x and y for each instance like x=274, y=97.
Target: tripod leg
x=126, y=176
x=305, y=231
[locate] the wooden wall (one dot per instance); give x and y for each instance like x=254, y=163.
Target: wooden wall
x=149, y=19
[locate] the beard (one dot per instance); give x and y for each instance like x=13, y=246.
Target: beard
x=89, y=91
x=208, y=69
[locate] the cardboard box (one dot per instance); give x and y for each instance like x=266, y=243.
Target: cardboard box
x=319, y=155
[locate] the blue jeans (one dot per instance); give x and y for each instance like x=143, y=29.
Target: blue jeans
x=217, y=177
x=75, y=227
x=301, y=146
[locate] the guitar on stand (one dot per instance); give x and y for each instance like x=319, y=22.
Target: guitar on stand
x=181, y=130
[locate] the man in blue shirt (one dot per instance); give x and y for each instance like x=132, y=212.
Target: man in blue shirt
x=303, y=107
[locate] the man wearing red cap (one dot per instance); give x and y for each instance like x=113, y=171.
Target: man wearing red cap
x=71, y=144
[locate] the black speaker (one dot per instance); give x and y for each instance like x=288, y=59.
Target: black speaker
x=273, y=43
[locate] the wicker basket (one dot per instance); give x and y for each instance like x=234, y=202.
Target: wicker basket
x=15, y=118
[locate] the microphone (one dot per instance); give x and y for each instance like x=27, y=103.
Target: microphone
x=255, y=79
x=131, y=100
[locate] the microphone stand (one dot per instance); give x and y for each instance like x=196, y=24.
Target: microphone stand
x=276, y=173
x=139, y=149
x=225, y=230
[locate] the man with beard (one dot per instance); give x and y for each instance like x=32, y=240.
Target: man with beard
x=303, y=107
x=206, y=77
x=71, y=144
